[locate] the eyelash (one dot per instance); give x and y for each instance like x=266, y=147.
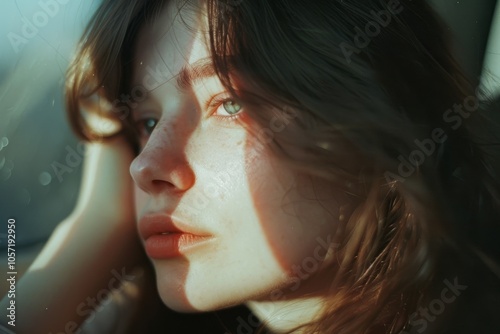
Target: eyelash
x=212, y=105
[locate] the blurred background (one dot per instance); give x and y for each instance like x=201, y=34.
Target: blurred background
x=38, y=186
x=41, y=160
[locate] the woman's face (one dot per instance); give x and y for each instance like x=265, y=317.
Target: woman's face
x=223, y=221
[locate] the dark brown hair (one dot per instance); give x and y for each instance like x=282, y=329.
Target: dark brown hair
x=375, y=87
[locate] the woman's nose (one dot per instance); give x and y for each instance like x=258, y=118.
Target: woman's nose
x=162, y=164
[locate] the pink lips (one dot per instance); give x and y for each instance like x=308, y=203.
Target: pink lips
x=165, y=239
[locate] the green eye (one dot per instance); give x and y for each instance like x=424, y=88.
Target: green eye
x=231, y=107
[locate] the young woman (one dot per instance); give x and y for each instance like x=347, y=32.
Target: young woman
x=324, y=163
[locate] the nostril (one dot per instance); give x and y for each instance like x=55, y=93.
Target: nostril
x=161, y=184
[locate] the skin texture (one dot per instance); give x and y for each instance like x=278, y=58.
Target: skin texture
x=269, y=224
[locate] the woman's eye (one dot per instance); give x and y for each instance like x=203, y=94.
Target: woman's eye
x=228, y=107
x=145, y=127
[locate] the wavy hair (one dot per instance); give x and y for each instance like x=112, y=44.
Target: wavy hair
x=384, y=113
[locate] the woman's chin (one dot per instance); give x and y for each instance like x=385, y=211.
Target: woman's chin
x=178, y=305
x=177, y=299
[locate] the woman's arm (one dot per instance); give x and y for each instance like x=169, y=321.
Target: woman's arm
x=90, y=252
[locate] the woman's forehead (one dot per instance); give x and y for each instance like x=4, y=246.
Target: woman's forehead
x=176, y=38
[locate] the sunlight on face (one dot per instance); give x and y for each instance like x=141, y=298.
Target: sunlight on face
x=257, y=225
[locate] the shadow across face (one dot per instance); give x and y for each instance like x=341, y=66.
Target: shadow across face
x=266, y=228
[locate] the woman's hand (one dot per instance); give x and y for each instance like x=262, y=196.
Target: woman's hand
x=89, y=254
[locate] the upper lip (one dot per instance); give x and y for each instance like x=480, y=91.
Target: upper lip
x=159, y=223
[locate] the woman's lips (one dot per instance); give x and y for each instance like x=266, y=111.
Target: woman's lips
x=164, y=238
x=164, y=246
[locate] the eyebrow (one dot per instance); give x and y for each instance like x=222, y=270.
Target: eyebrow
x=202, y=68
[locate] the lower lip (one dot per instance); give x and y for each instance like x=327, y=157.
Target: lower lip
x=164, y=246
